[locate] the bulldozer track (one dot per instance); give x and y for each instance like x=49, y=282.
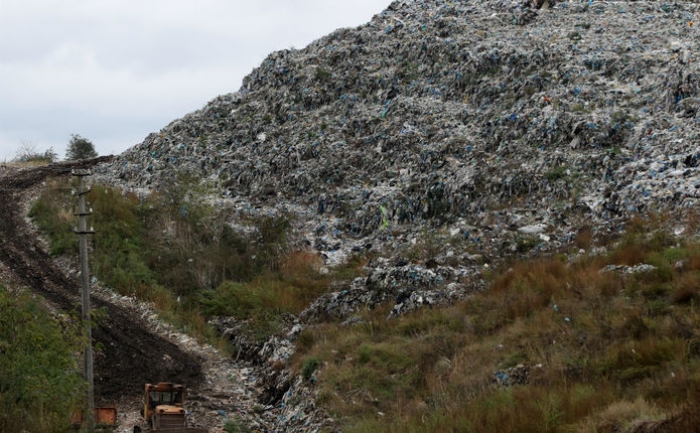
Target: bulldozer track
x=131, y=355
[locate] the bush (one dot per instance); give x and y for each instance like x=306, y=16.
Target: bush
x=173, y=249
x=310, y=366
x=235, y=426
x=40, y=384
x=27, y=153
x=56, y=222
x=587, y=339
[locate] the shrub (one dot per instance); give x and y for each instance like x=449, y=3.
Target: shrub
x=236, y=426
x=27, y=153
x=310, y=366
x=40, y=384
x=587, y=339
x=48, y=213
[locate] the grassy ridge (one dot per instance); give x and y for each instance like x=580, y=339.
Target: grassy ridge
x=578, y=346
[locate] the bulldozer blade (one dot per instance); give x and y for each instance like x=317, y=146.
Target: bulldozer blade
x=181, y=430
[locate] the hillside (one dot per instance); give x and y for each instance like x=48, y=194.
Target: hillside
x=437, y=145
x=486, y=116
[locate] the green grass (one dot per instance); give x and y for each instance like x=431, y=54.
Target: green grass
x=56, y=221
x=174, y=250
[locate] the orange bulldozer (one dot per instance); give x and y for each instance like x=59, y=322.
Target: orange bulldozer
x=163, y=409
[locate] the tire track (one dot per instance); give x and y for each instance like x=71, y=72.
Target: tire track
x=131, y=355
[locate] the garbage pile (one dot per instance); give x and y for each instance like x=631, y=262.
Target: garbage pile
x=518, y=375
x=408, y=286
x=436, y=110
x=500, y=127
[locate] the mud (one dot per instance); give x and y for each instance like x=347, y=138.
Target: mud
x=130, y=354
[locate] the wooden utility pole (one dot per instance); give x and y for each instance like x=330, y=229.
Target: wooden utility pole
x=82, y=231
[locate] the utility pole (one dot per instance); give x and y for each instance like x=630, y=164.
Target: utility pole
x=82, y=231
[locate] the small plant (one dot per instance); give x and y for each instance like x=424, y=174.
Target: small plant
x=584, y=238
x=309, y=368
x=305, y=340
x=28, y=154
x=525, y=243
x=323, y=74
x=557, y=173
x=236, y=426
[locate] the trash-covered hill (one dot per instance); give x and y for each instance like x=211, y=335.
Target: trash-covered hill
x=494, y=119
x=494, y=114
x=469, y=130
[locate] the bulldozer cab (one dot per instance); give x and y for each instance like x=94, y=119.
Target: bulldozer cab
x=163, y=409
x=163, y=394
x=170, y=398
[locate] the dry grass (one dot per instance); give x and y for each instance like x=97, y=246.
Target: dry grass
x=604, y=351
x=20, y=164
x=301, y=262
x=621, y=415
x=584, y=238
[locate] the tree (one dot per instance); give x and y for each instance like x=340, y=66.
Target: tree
x=50, y=155
x=80, y=148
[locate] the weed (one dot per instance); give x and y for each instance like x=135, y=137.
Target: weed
x=160, y=248
x=584, y=238
x=557, y=173
x=57, y=224
x=236, y=425
x=599, y=338
x=323, y=74
x=305, y=340
x=310, y=366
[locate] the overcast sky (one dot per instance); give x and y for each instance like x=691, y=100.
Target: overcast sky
x=114, y=71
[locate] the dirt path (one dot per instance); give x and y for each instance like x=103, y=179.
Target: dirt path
x=132, y=355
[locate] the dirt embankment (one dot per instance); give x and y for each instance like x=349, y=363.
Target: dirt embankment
x=132, y=355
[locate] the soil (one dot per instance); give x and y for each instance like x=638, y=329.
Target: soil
x=131, y=354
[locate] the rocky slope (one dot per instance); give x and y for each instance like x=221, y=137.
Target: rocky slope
x=478, y=129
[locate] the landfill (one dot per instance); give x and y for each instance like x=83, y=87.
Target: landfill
x=447, y=135
x=514, y=119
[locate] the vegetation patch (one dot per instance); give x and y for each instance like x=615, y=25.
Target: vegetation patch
x=41, y=383
x=589, y=349
x=190, y=260
x=595, y=343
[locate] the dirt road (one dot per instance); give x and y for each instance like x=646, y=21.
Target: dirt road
x=132, y=355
